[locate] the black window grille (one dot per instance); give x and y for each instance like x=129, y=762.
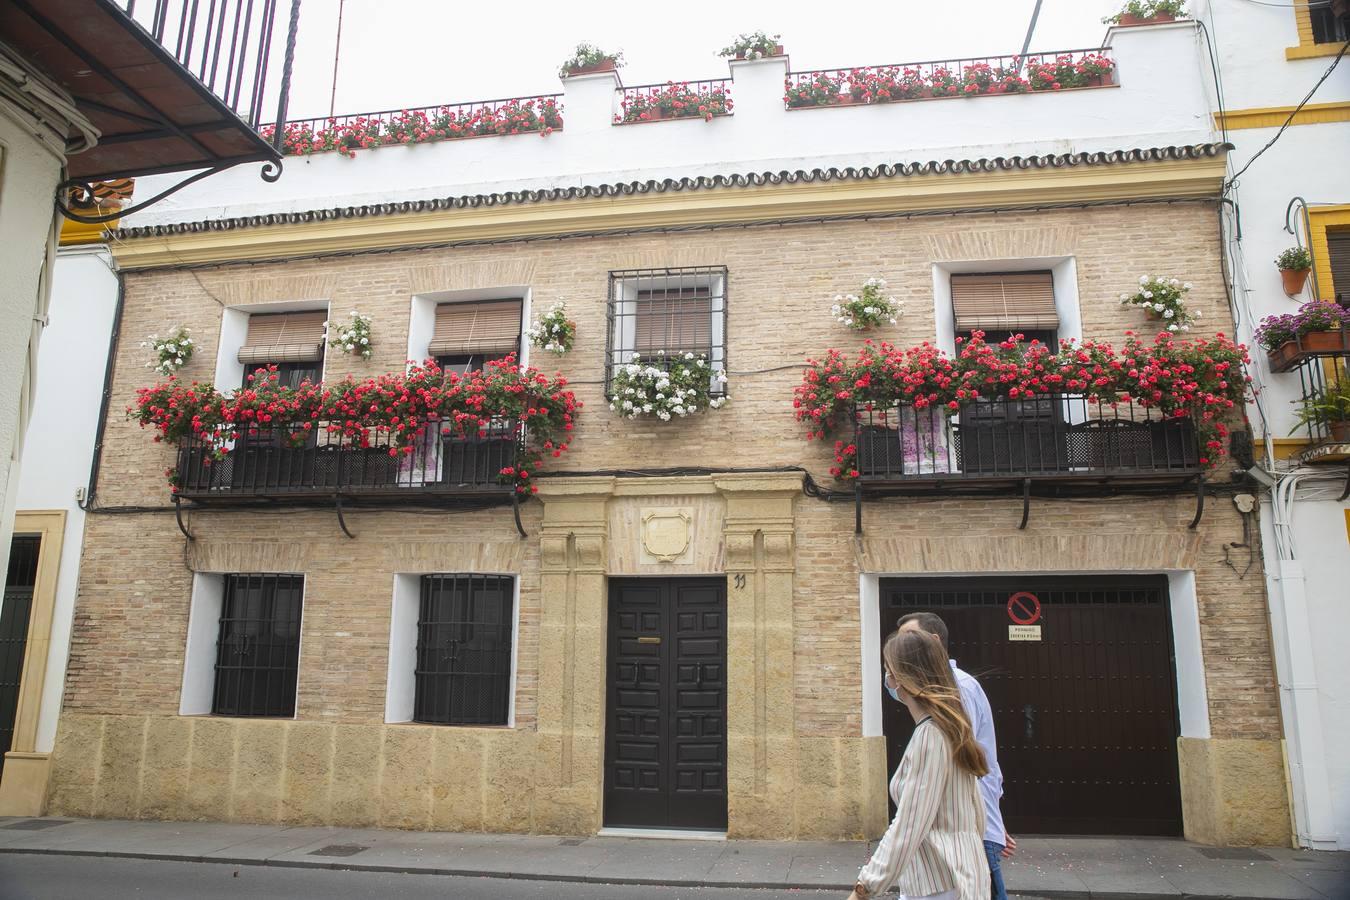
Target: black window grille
x=464, y=363
x=463, y=674
x=1327, y=26
x=658, y=314
x=258, y=653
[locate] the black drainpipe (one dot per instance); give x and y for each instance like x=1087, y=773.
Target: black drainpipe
x=108, y=372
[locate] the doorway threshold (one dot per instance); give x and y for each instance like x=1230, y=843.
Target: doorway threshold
x=678, y=834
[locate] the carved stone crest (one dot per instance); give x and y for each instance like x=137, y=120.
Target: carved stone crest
x=665, y=533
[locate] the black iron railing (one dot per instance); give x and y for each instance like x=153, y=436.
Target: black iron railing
x=704, y=99
x=971, y=76
x=229, y=45
x=277, y=464
x=1322, y=361
x=1054, y=436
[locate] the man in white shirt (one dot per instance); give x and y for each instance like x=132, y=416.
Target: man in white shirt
x=997, y=843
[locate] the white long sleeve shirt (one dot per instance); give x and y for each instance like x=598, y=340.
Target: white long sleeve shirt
x=982, y=720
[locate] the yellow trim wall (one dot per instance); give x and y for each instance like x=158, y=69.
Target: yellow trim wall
x=1320, y=219
x=1275, y=116
x=1126, y=181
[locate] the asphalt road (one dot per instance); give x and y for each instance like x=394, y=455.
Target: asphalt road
x=49, y=877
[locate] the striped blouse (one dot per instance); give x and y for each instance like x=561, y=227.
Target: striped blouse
x=935, y=842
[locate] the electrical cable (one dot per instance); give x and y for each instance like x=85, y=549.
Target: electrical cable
x=1289, y=121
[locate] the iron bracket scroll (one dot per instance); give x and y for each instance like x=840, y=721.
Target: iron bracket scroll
x=515, y=511
x=342, y=520
x=1199, y=503
x=857, y=507
x=178, y=517
x=63, y=191
x=1026, y=503
x=1345, y=493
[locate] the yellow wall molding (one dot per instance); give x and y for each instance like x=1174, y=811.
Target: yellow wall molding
x=1275, y=116
x=1307, y=48
x=75, y=233
x=1126, y=181
x=1321, y=218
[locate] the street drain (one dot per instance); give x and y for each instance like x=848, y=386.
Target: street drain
x=1234, y=853
x=35, y=824
x=339, y=850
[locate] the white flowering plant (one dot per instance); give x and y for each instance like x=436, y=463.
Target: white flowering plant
x=553, y=331
x=1163, y=298
x=353, y=337
x=666, y=387
x=874, y=306
x=172, y=352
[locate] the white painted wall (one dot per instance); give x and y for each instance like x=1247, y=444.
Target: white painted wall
x=1161, y=101
x=29, y=172
x=60, y=442
x=1308, y=594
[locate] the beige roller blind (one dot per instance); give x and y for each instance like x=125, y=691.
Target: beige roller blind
x=676, y=321
x=491, y=328
x=284, y=337
x=1017, y=300
x=1338, y=248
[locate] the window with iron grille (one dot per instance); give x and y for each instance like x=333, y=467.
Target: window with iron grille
x=657, y=314
x=258, y=651
x=463, y=672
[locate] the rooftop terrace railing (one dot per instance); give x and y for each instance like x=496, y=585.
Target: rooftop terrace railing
x=945, y=78
x=705, y=99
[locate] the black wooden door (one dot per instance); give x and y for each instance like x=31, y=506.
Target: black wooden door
x=1085, y=717
x=665, y=734
x=17, y=604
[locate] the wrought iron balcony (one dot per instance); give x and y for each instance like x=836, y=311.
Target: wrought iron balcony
x=172, y=85
x=1060, y=438
x=1322, y=361
x=274, y=465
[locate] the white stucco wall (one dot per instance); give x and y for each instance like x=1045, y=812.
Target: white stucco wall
x=1160, y=102
x=29, y=173
x=60, y=442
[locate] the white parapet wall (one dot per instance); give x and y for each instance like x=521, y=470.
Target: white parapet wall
x=1160, y=101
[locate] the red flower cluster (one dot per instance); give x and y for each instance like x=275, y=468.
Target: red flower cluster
x=887, y=84
x=1202, y=379
x=675, y=100
x=538, y=114
x=397, y=405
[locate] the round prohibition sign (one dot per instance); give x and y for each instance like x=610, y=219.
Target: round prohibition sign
x=1024, y=608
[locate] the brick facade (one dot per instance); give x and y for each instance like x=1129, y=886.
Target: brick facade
x=131, y=620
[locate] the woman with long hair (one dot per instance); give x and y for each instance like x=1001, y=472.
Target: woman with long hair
x=933, y=849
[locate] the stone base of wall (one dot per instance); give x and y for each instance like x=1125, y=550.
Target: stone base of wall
x=420, y=778
x=1233, y=792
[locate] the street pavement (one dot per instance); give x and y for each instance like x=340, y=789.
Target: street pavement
x=281, y=857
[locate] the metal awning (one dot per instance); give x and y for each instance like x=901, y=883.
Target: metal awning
x=183, y=91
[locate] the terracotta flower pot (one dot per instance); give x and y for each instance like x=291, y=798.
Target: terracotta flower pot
x=1294, y=279
x=1340, y=432
x=777, y=51
x=604, y=65
x=1289, y=354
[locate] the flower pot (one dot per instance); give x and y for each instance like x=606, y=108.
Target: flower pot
x=1289, y=354
x=1095, y=81
x=777, y=51
x=604, y=65
x=1294, y=280
x=1339, y=432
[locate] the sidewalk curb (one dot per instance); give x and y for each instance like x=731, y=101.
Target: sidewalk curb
x=574, y=879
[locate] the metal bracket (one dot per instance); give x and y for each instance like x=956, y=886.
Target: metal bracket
x=178, y=515
x=342, y=521
x=271, y=171
x=1199, y=503
x=1345, y=493
x=1291, y=226
x=515, y=511
x=857, y=507
x=63, y=196
x=1026, y=503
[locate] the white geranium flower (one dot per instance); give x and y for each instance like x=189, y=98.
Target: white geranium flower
x=1168, y=314
x=1143, y=279
x=1186, y=286
x=1148, y=295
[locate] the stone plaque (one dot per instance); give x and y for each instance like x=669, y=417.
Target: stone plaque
x=665, y=533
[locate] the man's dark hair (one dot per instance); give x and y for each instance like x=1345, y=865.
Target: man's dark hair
x=929, y=622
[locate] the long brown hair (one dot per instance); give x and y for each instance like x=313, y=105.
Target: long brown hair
x=920, y=668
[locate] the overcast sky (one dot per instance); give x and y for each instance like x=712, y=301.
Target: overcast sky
x=405, y=53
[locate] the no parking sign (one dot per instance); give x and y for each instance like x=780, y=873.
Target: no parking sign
x=1024, y=608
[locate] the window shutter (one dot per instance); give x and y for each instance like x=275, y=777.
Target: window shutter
x=1338, y=248
x=491, y=329
x=676, y=321
x=1022, y=300
x=283, y=338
